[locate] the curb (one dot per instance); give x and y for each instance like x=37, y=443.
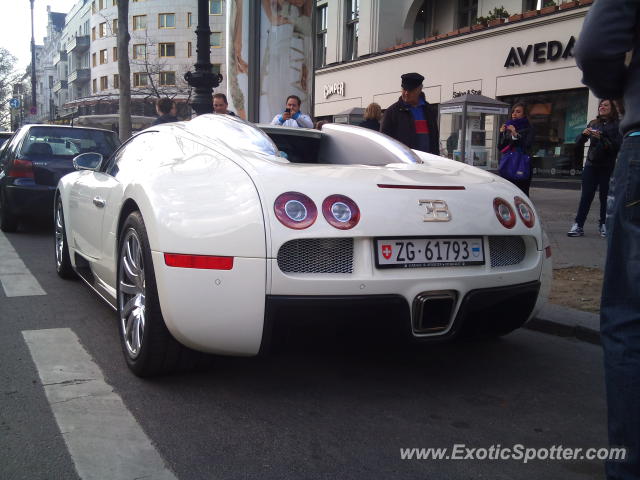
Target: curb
x=567, y=322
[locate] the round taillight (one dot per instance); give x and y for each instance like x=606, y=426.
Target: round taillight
x=525, y=211
x=504, y=212
x=295, y=210
x=341, y=212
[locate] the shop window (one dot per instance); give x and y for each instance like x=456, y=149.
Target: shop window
x=557, y=118
x=467, y=12
x=423, y=26
x=352, y=26
x=321, y=36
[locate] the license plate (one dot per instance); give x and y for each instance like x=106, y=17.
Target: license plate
x=429, y=252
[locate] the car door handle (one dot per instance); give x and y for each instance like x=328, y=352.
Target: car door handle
x=99, y=202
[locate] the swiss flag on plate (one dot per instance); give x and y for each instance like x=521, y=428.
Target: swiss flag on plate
x=386, y=251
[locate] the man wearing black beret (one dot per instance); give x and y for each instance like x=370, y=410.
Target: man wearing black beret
x=411, y=120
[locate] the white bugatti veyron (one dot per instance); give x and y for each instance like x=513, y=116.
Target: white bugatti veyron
x=194, y=231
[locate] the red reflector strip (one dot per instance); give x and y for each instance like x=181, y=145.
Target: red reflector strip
x=547, y=251
x=423, y=187
x=198, y=261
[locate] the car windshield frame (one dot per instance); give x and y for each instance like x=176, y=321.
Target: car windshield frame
x=66, y=143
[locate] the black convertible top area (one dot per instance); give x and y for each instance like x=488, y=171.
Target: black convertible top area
x=338, y=144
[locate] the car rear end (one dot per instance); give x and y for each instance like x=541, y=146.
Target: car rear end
x=44, y=155
x=446, y=253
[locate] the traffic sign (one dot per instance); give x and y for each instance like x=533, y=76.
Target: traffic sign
x=14, y=103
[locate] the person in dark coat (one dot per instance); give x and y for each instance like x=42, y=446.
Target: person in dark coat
x=166, y=109
x=412, y=120
x=372, y=116
x=517, y=133
x=608, y=53
x=601, y=159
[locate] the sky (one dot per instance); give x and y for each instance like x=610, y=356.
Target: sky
x=15, y=25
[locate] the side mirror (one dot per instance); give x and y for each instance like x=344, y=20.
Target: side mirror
x=88, y=161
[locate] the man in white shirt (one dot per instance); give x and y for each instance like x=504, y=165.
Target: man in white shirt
x=292, y=116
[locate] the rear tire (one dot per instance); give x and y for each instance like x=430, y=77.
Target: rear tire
x=148, y=346
x=63, y=261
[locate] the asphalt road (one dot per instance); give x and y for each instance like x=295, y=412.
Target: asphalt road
x=320, y=407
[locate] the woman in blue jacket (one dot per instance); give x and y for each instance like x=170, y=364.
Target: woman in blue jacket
x=601, y=158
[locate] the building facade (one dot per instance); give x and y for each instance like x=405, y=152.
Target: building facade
x=525, y=57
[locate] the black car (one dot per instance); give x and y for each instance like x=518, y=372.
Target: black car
x=33, y=161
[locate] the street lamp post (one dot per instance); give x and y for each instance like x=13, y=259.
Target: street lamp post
x=33, y=62
x=203, y=80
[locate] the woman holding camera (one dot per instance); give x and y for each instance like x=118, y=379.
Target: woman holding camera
x=605, y=140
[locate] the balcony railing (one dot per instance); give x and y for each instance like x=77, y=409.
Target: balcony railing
x=59, y=85
x=81, y=75
x=59, y=56
x=79, y=44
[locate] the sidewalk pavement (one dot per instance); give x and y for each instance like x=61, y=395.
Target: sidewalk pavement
x=557, y=208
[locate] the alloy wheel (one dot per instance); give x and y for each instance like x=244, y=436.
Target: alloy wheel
x=131, y=289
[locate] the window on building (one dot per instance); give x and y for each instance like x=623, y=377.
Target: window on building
x=115, y=54
x=215, y=7
x=139, y=22
x=86, y=28
x=167, y=49
x=93, y=33
x=423, y=26
x=467, y=12
x=353, y=17
x=93, y=7
x=167, y=20
x=139, y=50
x=94, y=62
x=216, y=68
x=140, y=79
x=321, y=36
x=116, y=81
x=189, y=19
x=167, y=79
x=216, y=39
x=114, y=26
x=189, y=51
x=101, y=4
x=104, y=83
x=102, y=30
x=94, y=85
x=114, y=3
x=103, y=56
x=531, y=5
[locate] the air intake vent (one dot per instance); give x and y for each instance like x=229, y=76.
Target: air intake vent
x=317, y=255
x=506, y=250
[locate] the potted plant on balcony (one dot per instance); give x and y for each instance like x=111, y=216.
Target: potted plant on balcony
x=548, y=7
x=481, y=23
x=497, y=16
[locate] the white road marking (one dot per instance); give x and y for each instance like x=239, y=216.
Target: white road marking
x=16, y=279
x=102, y=436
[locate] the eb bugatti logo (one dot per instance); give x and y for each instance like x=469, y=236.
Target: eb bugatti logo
x=386, y=251
x=436, y=211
